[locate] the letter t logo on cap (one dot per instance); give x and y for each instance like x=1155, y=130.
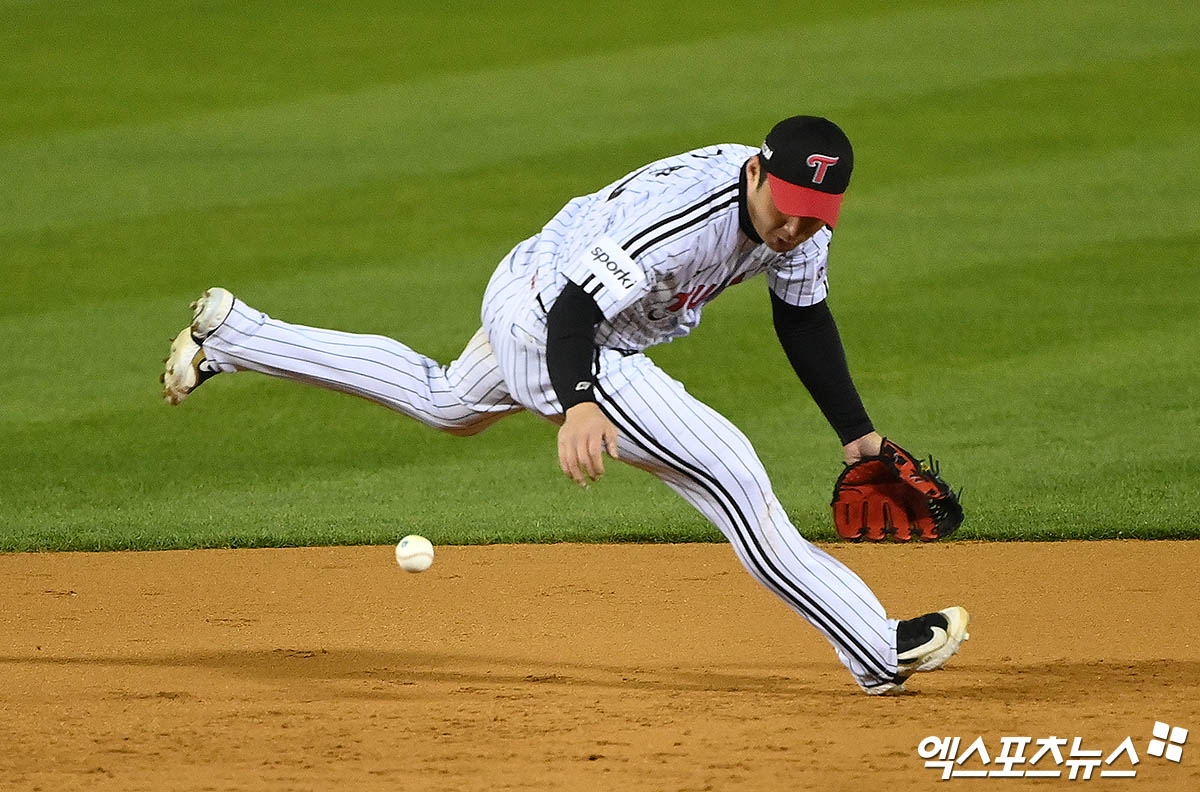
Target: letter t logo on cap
x=821, y=163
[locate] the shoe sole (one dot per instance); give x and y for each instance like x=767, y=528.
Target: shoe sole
x=180, y=374
x=956, y=632
x=886, y=689
x=210, y=312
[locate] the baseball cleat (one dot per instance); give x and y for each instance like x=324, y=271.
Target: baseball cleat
x=927, y=642
x=210, y=312
x=924, y=644
x=186, y=366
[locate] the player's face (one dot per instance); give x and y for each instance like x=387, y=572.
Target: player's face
x=779, y=232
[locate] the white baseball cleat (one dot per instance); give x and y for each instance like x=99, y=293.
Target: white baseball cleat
x=927, y=642
x=210, y=312
x=924, y=644
x=186, y=366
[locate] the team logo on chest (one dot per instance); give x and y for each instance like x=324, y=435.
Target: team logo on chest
x=700, y=295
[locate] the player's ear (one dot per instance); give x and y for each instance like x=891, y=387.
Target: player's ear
x=753, y=166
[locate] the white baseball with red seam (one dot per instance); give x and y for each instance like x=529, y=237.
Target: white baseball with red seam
x=414, y=553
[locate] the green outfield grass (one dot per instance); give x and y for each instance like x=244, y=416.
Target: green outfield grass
x=1015, y=272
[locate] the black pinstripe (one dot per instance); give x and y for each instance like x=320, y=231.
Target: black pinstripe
x=681, y=228
x=793, y=595
x=678, y=216
x=461, y=398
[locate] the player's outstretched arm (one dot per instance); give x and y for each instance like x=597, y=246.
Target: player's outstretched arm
x=810, y=338
x=586, y=431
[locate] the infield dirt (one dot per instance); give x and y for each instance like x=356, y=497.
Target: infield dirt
x=573, y=667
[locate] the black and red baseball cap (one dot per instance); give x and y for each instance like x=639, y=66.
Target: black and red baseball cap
x=808, y=161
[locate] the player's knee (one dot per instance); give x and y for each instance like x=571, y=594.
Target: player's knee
x=462, y=431
x=743, y=479
x=470, y=425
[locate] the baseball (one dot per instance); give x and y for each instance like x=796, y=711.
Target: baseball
x=414, y=553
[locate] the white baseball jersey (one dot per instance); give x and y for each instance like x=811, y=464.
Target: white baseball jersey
x=652, y=249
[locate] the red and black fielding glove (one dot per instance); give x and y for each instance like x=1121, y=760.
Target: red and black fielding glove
x=894, y=494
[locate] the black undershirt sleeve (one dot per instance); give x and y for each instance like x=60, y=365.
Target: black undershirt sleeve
x=571, y=345
x=814, y=348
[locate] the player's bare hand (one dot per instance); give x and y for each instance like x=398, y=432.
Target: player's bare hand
x=866, y=446
x=584, y=436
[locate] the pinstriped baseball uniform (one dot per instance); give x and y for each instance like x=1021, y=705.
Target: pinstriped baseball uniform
x=651, y=249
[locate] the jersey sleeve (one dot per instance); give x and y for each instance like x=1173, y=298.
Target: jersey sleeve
x=801, y=279
x=608, y=274
x=653, y=224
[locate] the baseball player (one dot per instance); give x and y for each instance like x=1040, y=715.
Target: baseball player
x=565, y=320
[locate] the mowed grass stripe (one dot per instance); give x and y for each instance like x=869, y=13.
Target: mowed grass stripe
x=34, y=254
x=355, y=224
x=1062, y=201
x=1057, y=113
x=409, y=128
x=302, y=467
x=1011, y=298
x=115, y=61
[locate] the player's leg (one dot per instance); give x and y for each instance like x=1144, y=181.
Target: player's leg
x=462, y=398
x=708, y=461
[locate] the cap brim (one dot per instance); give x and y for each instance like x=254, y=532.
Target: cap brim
x=799, y=201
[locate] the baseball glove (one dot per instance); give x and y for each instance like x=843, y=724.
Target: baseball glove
x=894, y=494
